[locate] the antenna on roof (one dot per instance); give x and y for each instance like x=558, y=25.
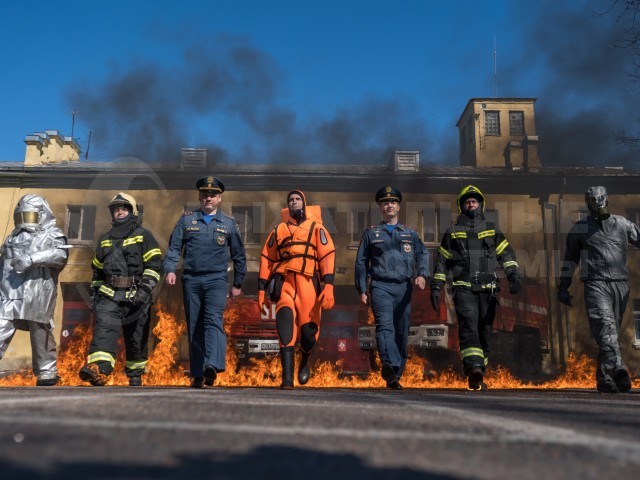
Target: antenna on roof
x=86, y=154
x=73, y=113
x=495, y=69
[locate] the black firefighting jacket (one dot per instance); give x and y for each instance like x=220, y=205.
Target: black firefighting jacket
x=136, y=255
x=471, y=250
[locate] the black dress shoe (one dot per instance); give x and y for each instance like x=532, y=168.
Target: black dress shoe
x=388, y=373
x=197, y=382
x=395, y=385
x=209, y=375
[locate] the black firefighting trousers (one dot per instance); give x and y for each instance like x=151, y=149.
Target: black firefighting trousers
x=475, y=312
x=111, y=317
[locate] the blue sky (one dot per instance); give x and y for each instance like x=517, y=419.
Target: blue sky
x=309, y=81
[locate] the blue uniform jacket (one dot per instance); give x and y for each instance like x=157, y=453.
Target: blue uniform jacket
x=390, y=257
x=206, y=248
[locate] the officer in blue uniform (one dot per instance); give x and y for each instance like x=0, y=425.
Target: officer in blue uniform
x=391, y=255
x=208, y=239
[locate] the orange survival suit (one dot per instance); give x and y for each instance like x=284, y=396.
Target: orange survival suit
x=298, y=255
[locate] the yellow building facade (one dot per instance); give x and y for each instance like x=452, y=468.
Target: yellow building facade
x=535, y=206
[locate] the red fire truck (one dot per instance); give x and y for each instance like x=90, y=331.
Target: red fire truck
x=254, y=335
x=520, y=330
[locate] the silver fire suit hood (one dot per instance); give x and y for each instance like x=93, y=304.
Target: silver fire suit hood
x=597, y=201
x=32, y=256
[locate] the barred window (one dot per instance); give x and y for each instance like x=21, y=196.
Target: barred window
x=492, y=123
x=516, y=123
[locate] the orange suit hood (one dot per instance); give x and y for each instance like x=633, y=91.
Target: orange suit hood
x=311, y=212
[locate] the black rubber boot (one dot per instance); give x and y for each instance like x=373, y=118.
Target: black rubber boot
x=623, y=382
x=303, y=370
x=475, y=379
x=286, y=358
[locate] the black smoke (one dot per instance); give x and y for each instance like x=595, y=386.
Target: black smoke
x=230, y=97
x=586, y=98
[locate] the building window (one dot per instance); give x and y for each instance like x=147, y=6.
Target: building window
x=359, y=221
x=580, y=214
x=633, y=215
x=492, y=123
x=430, y=223
x=329, y=219
x=636, y=321
x=81, y=223
x=249, y=223
x=516, y=123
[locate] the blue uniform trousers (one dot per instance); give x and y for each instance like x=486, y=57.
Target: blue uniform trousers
x=391, y=305
x=205, y=297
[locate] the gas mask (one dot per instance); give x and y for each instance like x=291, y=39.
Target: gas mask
x=597, y=201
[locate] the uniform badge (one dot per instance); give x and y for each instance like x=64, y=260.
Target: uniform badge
x=220, y=240
x=194, y=222
x=406, y=247
x=209, y=179
x=388, y=189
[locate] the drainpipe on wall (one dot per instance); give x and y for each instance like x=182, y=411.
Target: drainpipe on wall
x=544, y=204
x=563, y=309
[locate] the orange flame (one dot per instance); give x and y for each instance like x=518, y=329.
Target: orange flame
x=164, y=367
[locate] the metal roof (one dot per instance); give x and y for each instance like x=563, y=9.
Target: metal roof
x=135, y=174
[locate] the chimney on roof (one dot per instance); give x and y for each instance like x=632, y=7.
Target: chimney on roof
x=406, y=161
x=49, y=147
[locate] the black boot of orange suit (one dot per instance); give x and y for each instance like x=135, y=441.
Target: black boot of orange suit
x=303, y=370
x=286, y=358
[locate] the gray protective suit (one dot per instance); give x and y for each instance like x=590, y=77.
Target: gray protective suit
x=599, y=244
x=31, y=258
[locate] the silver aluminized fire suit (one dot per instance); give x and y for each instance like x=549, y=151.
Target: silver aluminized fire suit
x=32, y=257
x=599, y=243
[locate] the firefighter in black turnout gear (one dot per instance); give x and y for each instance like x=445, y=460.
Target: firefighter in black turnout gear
x=471, y=250
x=126, y=268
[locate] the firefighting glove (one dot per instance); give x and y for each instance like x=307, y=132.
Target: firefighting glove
x=262, y=305
x=515, y=282
x=22, y=263
x=141, y=298
x=435, y=299
x=326, y=297
x=565, y=297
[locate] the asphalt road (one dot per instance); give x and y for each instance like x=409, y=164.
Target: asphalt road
x=230, y=433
